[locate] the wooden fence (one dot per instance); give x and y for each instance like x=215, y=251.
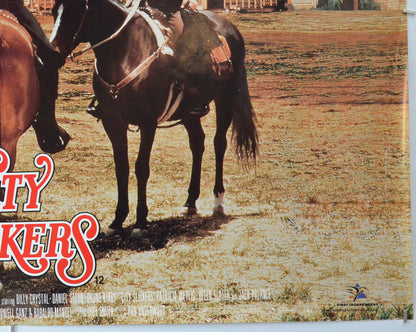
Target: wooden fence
x=39, y=5
x=249, y=4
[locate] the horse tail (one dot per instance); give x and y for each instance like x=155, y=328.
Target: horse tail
x=244, y=131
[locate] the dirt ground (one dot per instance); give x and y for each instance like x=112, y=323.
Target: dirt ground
x=326, y=207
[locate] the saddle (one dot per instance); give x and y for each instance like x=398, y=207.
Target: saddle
x=199, y=50
x=10, y=16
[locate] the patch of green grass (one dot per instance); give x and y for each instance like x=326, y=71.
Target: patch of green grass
x=293, y=317
x=366, y=313
x=291, y=294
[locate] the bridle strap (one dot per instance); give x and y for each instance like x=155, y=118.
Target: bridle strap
x=84, y=15
x=114, y=35
x=114, y=89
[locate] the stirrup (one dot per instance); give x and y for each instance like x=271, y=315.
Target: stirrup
x=94, y=109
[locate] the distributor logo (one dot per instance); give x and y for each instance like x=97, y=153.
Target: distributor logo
x=357, y=292
x=359, y=297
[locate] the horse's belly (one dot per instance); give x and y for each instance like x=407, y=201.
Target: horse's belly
x=19, y=101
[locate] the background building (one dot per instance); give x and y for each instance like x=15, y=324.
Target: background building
x=306, y=4
x=39, y=5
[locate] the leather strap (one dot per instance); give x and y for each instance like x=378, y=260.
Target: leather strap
x=114, y=89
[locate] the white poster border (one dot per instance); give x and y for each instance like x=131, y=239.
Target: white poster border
x=368, y=326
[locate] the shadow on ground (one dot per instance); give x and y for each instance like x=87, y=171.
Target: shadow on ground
x=158, y=234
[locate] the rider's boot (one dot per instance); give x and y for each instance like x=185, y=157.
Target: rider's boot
x=194, y=103
x=200, y=111
x=198, y=104
x=51, y=137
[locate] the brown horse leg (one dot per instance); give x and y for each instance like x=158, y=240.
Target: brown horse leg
x=196, y=143
x=224, y=118
x=142, y=174
x=118, y=137
x=11, y=146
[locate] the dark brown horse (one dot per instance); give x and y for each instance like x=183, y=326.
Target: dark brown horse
x=143, y=100
x=19, y=84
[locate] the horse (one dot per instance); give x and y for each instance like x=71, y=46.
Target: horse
x=143, y=99
x=19, y=83
x=19, y=86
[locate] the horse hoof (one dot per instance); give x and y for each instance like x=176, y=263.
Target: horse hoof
x=192, y=212
x=218, y=211
x=113, y=232
x=138, y=233
x=219, y=205
x=189, y=211
x=51, y=137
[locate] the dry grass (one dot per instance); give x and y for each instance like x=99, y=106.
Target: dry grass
x=327, y=207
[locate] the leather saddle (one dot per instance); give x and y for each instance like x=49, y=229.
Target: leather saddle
x=201, y=50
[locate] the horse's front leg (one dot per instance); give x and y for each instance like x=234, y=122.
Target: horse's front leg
x=117, y=133
x=142, y=174
x=196, y=143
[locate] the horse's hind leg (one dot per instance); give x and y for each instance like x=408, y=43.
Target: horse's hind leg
x=196, y=142
x=224, y=118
